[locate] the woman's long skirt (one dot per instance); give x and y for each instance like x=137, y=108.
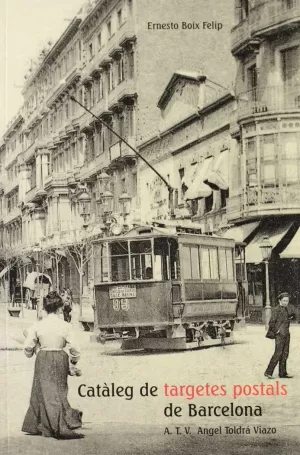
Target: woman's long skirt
x=49, y=413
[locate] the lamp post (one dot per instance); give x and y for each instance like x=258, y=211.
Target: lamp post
x=39, y=306
x=84, y=201
x=266, y=250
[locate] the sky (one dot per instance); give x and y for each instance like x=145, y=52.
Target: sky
x=25, y=27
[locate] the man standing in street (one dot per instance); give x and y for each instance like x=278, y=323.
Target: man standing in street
x=279, y=326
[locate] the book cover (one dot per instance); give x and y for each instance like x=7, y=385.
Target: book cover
x=149, y=244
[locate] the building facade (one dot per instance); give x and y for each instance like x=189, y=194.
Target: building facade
x=116, y=65
x=265, y=44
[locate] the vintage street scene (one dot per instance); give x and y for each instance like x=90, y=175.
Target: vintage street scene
x=149, y=226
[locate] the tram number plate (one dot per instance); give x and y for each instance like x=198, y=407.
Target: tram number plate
x=127, y=291
x=121, y=304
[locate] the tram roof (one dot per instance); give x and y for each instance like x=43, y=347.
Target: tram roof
x=163, y=229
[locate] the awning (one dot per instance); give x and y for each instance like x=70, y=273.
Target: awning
x=189, y=175
x=292, y=251
x=218, y=178
x=31, y=279
x=4, y=271
x=275, y=234
x=241, y=233
x=199, y=189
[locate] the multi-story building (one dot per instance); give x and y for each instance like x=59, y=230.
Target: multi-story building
x=193, y=151
x=266, y=201
x=10, y=215
x=115, y=57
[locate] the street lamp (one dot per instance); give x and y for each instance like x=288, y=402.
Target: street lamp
x=84, y=201
x=103, y=179
x=107, y=202
x=266, y=250
x=125, y=200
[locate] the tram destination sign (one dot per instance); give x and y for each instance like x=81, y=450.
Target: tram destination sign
x=126, y=291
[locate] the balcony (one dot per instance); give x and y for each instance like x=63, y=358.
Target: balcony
x=29, y=152
x=34, y=195
x=10, y=185
x=57, y=179
x=239, y=35
x=123, y=36
x=269, y=100
x=124, y=91
x=13, y=214
x=283, y=200
x=274, y=16
x=120, y=153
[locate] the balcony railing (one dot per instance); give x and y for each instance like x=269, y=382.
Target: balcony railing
x=279, y=199
x=273, y=13
x=240, y=33
x=281, y=98
x=56, y=179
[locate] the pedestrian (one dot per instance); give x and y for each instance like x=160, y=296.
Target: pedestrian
x=66, y=296
x=50, y=413
x=279, y=325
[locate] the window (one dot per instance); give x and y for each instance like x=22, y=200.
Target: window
x=190, y=262
x=224, y=195
x=109, y=29
x=101, y=92
x=290, y=158
x=131, y=64
x=121, y=70
x=119, y=17
x=119, y=261
x=269, y=160
x=242, y=8
x=226, y=264
x=110, y=76
x=208, y=203
x=141, y=260
x=104, y=262
x=291, y=65
x=99, y=38
x=130, y=6
x=161, y=260
x=209, y=264
x=91, y=54
x=251, y=161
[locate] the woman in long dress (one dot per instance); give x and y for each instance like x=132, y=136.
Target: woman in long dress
x=50, y=413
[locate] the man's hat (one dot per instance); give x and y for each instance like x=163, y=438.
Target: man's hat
x=282, y=295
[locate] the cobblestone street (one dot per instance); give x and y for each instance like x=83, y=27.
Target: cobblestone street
x=136, y=426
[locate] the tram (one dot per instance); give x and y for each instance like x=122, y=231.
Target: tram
x=166, y=288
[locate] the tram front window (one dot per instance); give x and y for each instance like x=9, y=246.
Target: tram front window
x=141, y=260
x=119, y=261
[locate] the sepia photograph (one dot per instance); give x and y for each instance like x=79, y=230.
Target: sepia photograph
x=149, y=227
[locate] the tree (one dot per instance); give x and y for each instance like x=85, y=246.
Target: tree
x=57, y=254
x=80, y=252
